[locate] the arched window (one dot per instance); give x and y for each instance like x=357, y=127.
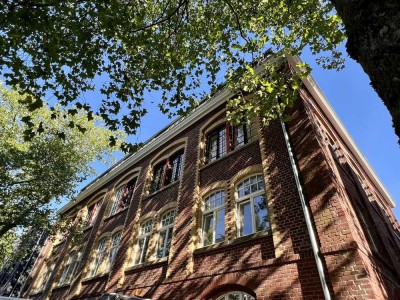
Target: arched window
x=69, y=268
x=251, y=206
x=122, y=197
x=114, y=248
x=164, y=239
x=236, y=296
x=44, y=279
x=214, y=218
x=99, y=256
x=227, y=138
x=143, y=242
x=167, y=171
x=91, y=216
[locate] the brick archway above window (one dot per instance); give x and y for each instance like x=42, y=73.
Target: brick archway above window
x=226, y=283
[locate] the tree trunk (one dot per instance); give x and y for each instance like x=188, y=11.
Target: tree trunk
x=373, y=31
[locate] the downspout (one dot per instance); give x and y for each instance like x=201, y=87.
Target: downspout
x=310, y=228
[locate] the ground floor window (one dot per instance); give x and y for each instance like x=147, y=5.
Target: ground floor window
x=236, y=296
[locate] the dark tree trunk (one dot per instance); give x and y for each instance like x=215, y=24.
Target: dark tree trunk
x=373, y=30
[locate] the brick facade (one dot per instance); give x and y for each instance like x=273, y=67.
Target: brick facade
x=356, y=232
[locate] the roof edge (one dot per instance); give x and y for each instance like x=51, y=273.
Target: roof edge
x=322, y=101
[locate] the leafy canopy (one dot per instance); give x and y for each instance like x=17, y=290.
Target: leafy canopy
x=32, y=173
x=176, y=47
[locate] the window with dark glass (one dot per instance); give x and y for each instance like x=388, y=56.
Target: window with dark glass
x=167, y=171
x=122, y=197
x=227, y=138
x=92, y=214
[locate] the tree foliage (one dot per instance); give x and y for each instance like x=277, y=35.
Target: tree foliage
x=48, y=166
x=175, y=47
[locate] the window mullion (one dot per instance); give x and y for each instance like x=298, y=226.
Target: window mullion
x=214, y=225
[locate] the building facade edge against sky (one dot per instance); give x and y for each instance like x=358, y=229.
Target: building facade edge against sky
x=151, y=130
x=330, y=188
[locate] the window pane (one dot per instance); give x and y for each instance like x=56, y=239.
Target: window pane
x=158, y=176
x=146, y=227
x=168, y=241
x=208, y=229
x=143, y=244
x=214, y=200
x=240, y=136
x=213, y=148
x=260, y=213
x=245, y=226
x=222, y=143
x=168, y=218
x=177, y=166
x=220, y=225
x=161, y=243
x=234, y=296
x=144, y=249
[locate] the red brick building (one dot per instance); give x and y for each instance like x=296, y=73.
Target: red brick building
x=206, y=210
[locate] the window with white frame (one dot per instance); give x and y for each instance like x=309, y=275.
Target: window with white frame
x=236, y=296
x=165, y=236
x=122, y=197
x=143, y=242
x=214, y=218
x=114, y=248
x=44, y=279
x=251, y=206
x=93, y=210
x=98, y=257
x=69, y=269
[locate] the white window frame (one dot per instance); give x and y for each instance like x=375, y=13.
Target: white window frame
x=168, y=228
x=213, y=210
x=89, y=220
x=116, y=200
x=146, y=230
x=249, y=198
x=114, y=248
x=65, y=277
x=44, y=279
x=99, y=256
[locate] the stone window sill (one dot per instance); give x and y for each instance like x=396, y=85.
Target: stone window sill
x=147, y=264
x=161, y=189
x=206, y=165
x=117, y=213
x=237, y=240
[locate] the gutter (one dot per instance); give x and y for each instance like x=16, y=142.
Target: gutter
x=307, y=216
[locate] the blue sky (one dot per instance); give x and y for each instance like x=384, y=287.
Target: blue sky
x=359, y=108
